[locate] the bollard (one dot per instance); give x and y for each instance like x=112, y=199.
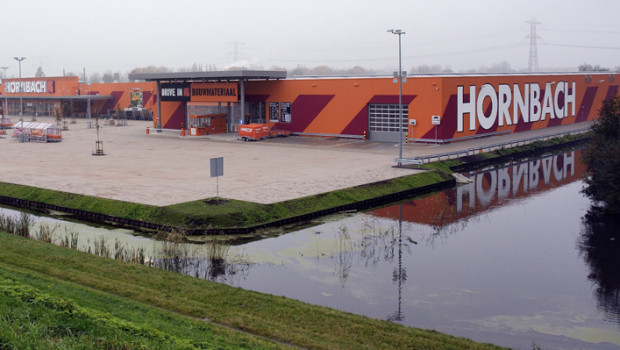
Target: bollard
x=182, y=132
x=147, y=130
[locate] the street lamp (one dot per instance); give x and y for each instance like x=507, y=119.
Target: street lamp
x=6, y=99
x=21, y=105
x=90, y=123
x=400, y=96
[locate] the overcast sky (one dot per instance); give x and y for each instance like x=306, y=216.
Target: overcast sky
x=117, y=36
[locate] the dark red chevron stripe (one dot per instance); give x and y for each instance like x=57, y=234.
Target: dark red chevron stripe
x=586, y=104
x=177, y=119
x=612, y=92
x=111, y=104
x=304, y=110
x=448, y=121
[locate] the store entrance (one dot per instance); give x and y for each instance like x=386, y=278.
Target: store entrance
x=198, y=115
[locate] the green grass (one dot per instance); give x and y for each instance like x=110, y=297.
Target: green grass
x=33, y=316
x=123, y=209
x=235, y=213
x=65, y=297
x=230, y=213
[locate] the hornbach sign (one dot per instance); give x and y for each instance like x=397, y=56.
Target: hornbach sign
x=29, y=86
x=214, y=92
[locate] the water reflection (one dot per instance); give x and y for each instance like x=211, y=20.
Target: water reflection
x=490, y=188
x=344, y=256
x=399, y=274
x=599, y=246
x=211, y=261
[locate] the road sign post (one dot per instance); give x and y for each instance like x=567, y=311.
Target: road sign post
x=436, y=120
x=217, y=170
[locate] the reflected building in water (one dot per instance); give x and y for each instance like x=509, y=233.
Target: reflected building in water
x=490, y=188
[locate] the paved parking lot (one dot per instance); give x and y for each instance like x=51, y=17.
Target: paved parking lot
x=166, y=168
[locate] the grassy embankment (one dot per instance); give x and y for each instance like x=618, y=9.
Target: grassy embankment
x=54, y=297
x=230, y=213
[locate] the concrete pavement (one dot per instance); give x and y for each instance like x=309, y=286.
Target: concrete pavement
x=162, y=169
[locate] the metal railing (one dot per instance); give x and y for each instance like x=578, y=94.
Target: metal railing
x=419, y=160
x=161, y=131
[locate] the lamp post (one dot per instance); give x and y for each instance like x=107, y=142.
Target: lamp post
x=400, y=96
x=6, y=99
x=90, y=123
x=21, y=105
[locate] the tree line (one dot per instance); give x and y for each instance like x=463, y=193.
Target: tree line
x=110, y=76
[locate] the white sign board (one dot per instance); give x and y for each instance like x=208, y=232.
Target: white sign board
x=436, y=120
x=217, y=167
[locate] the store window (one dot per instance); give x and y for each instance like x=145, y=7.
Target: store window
x=274, y=112
x=285, y=112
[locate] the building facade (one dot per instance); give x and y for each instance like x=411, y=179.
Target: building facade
x=434, y=108
x=47, y=96
x=442, y=108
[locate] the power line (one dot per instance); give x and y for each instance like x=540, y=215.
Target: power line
x=477, y=50
x=447, y=53
x=583, y=46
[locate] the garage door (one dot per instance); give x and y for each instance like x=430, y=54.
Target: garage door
x=383, y=122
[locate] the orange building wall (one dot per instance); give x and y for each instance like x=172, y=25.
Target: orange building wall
x=121, y=93
x=335, y=106
x=339, y=105
x=173, y=113
x=62, y=86
x=588, y=100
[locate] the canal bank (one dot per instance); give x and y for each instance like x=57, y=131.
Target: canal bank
x=231, y=216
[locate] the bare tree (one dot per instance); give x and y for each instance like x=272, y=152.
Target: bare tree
x=108, y=77
x=95, y=78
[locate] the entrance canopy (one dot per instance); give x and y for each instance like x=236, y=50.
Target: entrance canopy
x=176, y=83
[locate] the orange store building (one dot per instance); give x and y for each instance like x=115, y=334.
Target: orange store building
x=43, y=96
x=435, y=108
x=441, y=108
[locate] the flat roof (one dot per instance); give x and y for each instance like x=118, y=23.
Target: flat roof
x=56, y=97
x=226, y=75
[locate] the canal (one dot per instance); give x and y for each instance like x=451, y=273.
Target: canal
x=503, y=259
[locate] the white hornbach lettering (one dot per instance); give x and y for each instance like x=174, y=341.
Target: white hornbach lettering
x=527, y=101
x=37, y=86
x=505, y=182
